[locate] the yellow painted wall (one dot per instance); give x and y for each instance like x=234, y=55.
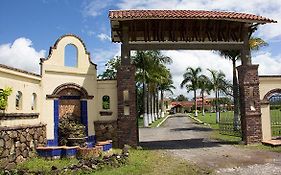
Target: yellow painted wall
x=267, y=84
x=107, y=87
x=26, y=84
x=55, y=73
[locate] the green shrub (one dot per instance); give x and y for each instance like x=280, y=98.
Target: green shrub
x=4, y=94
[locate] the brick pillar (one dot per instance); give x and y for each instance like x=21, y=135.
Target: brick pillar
x=127, y=130
x=250, y=103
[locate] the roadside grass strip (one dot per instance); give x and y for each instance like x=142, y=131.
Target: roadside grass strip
x=162, y=121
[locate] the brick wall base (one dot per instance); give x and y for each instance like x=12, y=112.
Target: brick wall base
x=19, y=143
x=106, y=130
x=127, y=131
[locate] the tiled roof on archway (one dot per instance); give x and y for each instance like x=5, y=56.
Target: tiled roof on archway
x=187, y=14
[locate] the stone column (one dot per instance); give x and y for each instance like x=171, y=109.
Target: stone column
x=127, y=130
x=250, y=103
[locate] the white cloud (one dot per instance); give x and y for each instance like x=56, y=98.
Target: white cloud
x=101, y=56
x=269, y=8
x=204, y=59
x=20, y=54
x=268, y=65
x=95, y=7
x=103, y=37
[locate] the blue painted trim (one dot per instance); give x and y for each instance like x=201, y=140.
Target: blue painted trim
x=69, y=152
x=84, y=115
x=49, y=152
x=73, y=97
x=91, y=141
x=51, y=143
x=107, y=147
x=56, y=122
x=91, y=138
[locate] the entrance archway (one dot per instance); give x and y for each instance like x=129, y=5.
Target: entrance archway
x=273, y=98
x=185, y=30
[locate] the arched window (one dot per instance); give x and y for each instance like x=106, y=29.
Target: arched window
x=70, y=55
x=105, y=102
x=19, y=100
x=33, y=101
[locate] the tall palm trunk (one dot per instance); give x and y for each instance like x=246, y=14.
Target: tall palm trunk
x=145, y=116
x=203, y=111
x=153, y=105
x=235, y=96
x=195, y=101
x=149, y=105
x=162, y=103
x=217, y=107
x=157, y=103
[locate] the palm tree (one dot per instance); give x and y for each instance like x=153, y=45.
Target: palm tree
x=165, y=86
x=218, y=83
x=205, y=87
x=150, y=65
x=233, y=55
x=191, y=80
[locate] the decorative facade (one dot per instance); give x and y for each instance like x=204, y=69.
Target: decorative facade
x=57, y=92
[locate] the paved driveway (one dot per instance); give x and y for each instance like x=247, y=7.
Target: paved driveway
x=180, y=137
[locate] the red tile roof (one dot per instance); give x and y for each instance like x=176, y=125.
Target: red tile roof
x=187, y=14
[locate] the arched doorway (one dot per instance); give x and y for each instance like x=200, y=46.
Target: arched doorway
x=274, y=99
x=70, y=115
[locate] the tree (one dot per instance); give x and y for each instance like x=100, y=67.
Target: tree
x=111, y=68
x=4, y=94
x=151, y=71
x=218, y=83
x=233, y=55
x=205, y=87
x=191, y=80
x=181, y=98
x=165, y=86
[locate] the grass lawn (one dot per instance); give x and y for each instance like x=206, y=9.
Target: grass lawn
x=275, y=116
x=140, y=162
x=210, y=118
x=263, y=147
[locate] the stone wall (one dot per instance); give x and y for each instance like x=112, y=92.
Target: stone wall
x=106, y=130
x=19, y=142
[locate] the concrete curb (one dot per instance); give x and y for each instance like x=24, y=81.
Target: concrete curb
x=159, y=124
x=199, y=121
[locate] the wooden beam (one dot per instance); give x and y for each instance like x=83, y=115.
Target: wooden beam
x=245, y=51
x=186, y=46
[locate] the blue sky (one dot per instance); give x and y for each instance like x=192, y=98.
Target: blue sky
x=29, y=28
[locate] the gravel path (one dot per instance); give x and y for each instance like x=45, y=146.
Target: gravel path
x=181, y=137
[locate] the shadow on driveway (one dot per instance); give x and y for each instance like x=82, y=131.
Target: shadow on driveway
x=192, y=129
x=179, y=144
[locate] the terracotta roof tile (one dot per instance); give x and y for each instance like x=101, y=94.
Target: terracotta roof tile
x=186, y=14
